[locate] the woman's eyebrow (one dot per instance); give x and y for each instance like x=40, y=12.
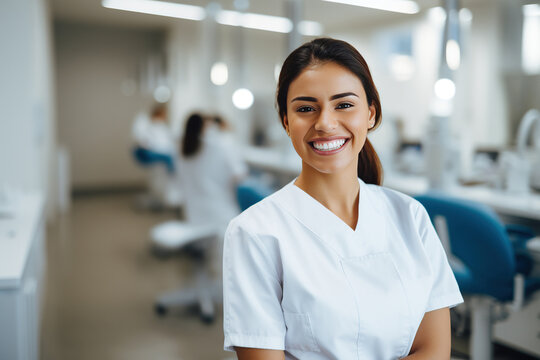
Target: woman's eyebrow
x=333, y=97
x=304, y=98
x=337, y=96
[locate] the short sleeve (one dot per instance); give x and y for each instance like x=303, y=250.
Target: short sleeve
x=444, y=288
x=252, y=293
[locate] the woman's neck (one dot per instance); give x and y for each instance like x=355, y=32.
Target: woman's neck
x=337, y=192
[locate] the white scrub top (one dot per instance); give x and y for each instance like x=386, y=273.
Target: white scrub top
x=297, y=278
x=209, y=180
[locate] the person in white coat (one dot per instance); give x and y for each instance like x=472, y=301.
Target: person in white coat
x=210, y=170
x=334, y=266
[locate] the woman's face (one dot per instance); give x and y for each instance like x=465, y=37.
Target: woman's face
x=328, y=117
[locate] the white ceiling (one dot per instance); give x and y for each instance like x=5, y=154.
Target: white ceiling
x=331, y=15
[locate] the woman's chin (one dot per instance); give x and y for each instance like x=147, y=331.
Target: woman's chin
x=327, y=168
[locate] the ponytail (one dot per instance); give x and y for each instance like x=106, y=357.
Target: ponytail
x=369, y=165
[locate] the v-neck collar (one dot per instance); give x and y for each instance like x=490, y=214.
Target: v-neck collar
x=370, y=227
x=323, y=210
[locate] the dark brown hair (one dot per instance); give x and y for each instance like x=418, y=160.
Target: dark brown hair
x=340, y=52
x=191, y=142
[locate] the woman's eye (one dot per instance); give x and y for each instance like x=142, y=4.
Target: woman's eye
x=344, y=106
x=304, y=109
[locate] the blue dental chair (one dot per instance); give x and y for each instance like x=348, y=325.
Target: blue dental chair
x=164, y=190
x=487, y=258
x=250, y=192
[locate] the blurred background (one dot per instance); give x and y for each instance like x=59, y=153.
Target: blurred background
x=94, y=97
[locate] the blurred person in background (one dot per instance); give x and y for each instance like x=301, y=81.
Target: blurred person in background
x=153, y=138
x=210, y=171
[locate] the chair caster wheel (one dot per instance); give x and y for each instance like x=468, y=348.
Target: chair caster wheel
x=160, y=310
x=207, y=319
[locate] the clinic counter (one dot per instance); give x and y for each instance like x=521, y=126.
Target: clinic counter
x=17, y=235
x=22, y=264
x=504, y=202
x=288, y=166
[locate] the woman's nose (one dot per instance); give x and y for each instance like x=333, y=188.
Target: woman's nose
x=326, y=121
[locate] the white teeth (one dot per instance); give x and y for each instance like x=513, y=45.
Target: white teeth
x=329, y=145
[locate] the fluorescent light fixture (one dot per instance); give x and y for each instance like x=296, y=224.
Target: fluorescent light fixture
x=154, y=7
x=267, y=22
x=400, y=6
x=225, y=17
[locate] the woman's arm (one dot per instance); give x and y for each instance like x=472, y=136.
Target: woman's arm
x=433, y=338
x=259, y=354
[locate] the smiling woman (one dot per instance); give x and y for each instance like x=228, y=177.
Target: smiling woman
x=328, y=117
x=334, y=266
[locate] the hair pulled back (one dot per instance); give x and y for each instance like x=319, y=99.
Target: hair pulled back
x=191, y=142
x=340, y=52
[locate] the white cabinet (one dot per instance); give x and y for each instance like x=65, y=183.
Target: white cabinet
x=521, y=330
x=22, y=264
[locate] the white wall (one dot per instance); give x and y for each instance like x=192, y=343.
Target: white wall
x=94, y=115
x=188, y=47
x=27, y=123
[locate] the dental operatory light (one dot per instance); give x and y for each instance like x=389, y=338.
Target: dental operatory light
x=225, y=17
x=242, y=98
x=436, y=15
x=465, y=15
x=162, y=94
x=453, y=54
x=445, y=89
x=219, y=74
x=399, y=6
x=154, y=7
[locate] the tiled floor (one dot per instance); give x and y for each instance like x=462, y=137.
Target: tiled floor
x=101, y=284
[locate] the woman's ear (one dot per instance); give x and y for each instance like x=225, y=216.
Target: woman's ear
x=372, y=114
x=286, y=124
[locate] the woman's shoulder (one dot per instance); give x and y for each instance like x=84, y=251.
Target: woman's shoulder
x=393, y=200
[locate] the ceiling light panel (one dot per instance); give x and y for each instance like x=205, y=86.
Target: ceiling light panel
x=399, y=6
x=154, y=7
x=225, y=17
